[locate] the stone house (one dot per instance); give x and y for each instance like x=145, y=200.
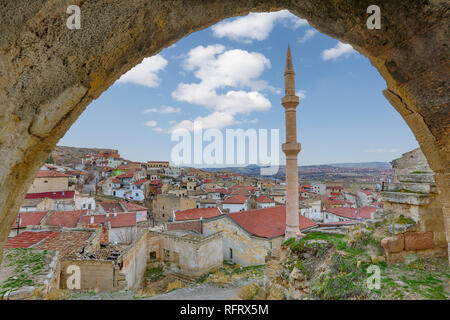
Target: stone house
x=165, y=204
x=192, y=253
x=84, y=201
x=49, y=181
x=123, y=226
x=249, y=236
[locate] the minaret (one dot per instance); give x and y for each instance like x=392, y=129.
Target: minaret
x=291, y=149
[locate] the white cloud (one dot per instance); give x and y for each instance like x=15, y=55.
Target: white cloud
x=256, y=26
x=145, y=73
x=381, y=150
x=151, y=123
x=341, y=49
x=301, y=94
x=169, y=109
x=231, y=72
x=310, y=33
x=163, y=109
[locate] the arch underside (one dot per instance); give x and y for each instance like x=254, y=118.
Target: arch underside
x=49, y=74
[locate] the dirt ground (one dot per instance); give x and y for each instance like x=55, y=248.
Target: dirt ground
x=207, y=291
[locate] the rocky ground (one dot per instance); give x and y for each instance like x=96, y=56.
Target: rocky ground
x=345, y=266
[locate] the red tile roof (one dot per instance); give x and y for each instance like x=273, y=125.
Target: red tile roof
x=125, y=175
x=219, y=190
x=49, y=174
x=267, y=222
x=235, y=199
x=28, y=238
x=51, y=195
x=363, y=213
x=110, y=206
x=30, y=218
x=263, y=199
x=125, y=219
x=123, y=167
x=140, y=182
x=133, y=206
x=68, y=243
x=247, y=188
x=196, y=213
x=68, y=219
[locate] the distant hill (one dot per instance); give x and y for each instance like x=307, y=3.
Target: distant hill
x=254, y=170
x=365, y=165
x=72, y=155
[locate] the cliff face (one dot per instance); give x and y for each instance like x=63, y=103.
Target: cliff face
x=63, y=155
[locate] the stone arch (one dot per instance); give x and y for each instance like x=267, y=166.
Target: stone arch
x=49, y=74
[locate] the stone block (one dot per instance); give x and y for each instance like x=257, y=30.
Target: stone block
x=393, y=244
x=419, y=240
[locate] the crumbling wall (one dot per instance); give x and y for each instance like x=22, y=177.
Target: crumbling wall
x=238, y=246
x=134, y=261
x=411, y=161
x=95, y=274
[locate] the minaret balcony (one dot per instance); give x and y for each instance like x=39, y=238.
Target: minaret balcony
x=291, y=148
x=290, y=101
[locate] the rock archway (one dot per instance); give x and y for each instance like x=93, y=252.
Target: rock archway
x=49, y=74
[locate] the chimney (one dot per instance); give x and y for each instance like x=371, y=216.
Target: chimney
x=107, y=214
x=115, y=214
x=92, y=220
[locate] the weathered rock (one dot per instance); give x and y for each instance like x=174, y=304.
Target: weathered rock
x=393, y=244
x=418, y=240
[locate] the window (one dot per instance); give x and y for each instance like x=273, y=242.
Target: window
x=89, y=206
x=153, y=255
x=231, y=254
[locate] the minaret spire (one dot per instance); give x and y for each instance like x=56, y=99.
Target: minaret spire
x=291, y=149
x=289, y=75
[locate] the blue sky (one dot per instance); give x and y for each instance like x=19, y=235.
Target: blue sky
x=231, y=76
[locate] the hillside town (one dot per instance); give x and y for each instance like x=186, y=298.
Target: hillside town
x=98, y=222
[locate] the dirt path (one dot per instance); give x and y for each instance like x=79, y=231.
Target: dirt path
x=205, y=291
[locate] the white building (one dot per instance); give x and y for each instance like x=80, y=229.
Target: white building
x=264, y=202
x=319, y=188
x=235, y=204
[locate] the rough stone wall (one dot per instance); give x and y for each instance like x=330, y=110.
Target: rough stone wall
x=49, y=74
x=95, y=274
x=410, y=162
x=195, y=256
x=49, y=184
x=135, y=261
x=185, y=225
x=247, y=250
